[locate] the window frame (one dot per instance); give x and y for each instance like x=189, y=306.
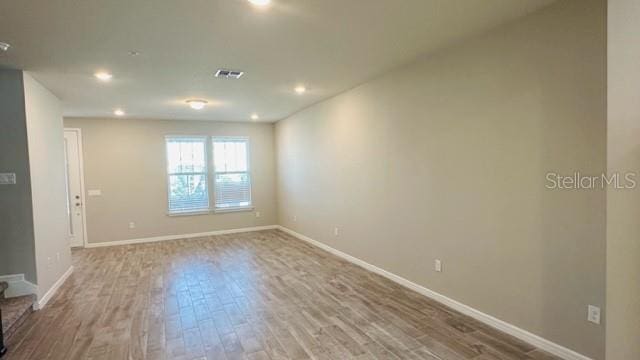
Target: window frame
x=247, y=141
x=209, y=175
x=168, y=175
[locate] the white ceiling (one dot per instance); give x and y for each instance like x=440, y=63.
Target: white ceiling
x=328, y=45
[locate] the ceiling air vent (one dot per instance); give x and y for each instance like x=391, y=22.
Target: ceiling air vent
x=229, y=74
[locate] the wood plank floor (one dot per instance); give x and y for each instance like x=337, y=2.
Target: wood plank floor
x=258, y=295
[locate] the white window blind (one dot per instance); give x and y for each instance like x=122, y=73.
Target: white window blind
x=231, y=173
x=187, y=174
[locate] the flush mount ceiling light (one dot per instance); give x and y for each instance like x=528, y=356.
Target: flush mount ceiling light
x=260, y=2
x=4, y=46
x=133, y=53
x=118, y=112
x=300, y=89
x=197, y=104
x=103, y=76
x=254, y=117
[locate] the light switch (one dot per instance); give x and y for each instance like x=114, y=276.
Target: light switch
x=7, y=178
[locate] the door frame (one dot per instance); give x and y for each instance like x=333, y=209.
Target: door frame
x=78, y=132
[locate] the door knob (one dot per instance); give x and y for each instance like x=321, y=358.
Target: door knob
x=77, y=204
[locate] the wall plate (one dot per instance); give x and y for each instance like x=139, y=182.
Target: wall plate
x=7, y=178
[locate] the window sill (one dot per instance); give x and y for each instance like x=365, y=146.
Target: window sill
x=209, y=212
x=233, y=209
x=189, y=213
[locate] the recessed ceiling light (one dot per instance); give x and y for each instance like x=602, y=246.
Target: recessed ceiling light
x=300, y=89
x=254, y=117
x=118, y=112
x=197, y=104
x=4, y=46
x=260, y=2
x=103, y=76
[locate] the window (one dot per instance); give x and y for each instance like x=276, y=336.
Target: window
x=187, y=174
x=188, y=177
x=232, y=180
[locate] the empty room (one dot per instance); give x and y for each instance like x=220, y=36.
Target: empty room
x=320, y=179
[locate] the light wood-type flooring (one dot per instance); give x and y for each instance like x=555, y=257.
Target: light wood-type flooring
x=255, y=295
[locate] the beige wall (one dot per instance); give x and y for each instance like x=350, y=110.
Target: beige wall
x=623, y=206
x=125, y=159
x=446, y=158
x=17, y=248
x=48, y=189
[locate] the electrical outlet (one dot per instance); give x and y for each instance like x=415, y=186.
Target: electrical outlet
x=58, y=257
x=335, y=231
x=257, y=214
x=593, y=314
x=437, y=265
x=132, y=225
x=295, y=218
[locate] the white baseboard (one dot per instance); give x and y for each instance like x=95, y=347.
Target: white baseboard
x=535, y=340
x=18, y=285
x=54, y=288
x=181, y=236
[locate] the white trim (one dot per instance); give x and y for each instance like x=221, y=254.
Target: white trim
x=501, y=325
x=233, y=209
x=18, y=285
x=189, y=213
x=82, y=190
x=181, y=236
x=54, y=288
x=211, y=211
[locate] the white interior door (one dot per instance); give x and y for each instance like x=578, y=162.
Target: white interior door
x=75, y=194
